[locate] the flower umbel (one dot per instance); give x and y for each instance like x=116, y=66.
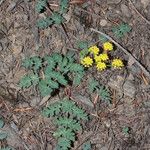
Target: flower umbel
x=94, y=50
x=101, y=66
x=117, y=63
x=87, y=61
x=101, y=57
x=107, y=46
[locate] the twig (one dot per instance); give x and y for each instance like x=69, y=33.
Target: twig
x=147, y=21
x=125, y=51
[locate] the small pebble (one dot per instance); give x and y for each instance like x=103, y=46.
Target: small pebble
x=103, y=22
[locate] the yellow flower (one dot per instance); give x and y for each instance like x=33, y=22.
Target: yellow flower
x=94, y=50
x=101, y=57
x=87, y=61
x=107, y=46
x=117, y=63
x=101, y=66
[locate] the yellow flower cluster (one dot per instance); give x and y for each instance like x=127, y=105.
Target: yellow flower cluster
x=87, y=61
x=117, y=63
x=107, y=46
x=101, y=59
x=94, y=50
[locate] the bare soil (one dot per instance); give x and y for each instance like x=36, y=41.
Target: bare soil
x=130, y=86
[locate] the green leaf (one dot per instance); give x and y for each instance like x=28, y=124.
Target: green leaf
x=79, y=113
x=33, y=62
x=48, y=71
x=40, y=6
x=25, y=82
x=50, y=61
x=103, y=39
x=63, y=64
x=57, y=18
x=60, y=78
x=76, y=68
x=52, y=110
x=3, y=135
x=44, y=88
x=27, y=63
x=67, y=106
x=63, y=144
x=34, y=78
x=70, y=55
x=57, y=57
x=37, y=62
x=44, y=23
x=7, y=148
x=87, y=146
x=68, y=123
x=64, y=4
x=66, y=133
x=83, y=53
x=92, y=85
x=77, y=79
x=104, y=94
x=126, y=130
x=52, y=84
x=1, y=123
x=121, y=30
x=82, y=45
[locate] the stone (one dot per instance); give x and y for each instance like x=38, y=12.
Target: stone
x=103, y=22
x=120, y=86
x=145, y=3
x=125, y=10
x=34, y=102
x=129, y=88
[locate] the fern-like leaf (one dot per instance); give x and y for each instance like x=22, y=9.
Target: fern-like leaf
x=76, y=68
x=63, y=144
x=104, y=94
x=25, y=82
x=68, y=123
x=34, y=78
x=67, y=105
x=44, y=22
x=79, y=113
x=40, y=5
x=44, y=88
x=77, y=78
x=50, y=61
x=64, y=4
x=57, y=57
x=59, y=77
x=92, y=85
x=66, y=133
x=87, y=146
x=121, y=30
x=52, y=110
x=82, y=45
x=27, y=63
x=57, y=18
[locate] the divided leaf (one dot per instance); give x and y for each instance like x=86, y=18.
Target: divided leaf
x=40, y=6
x=1, y=123
x=67, y=118
x=121, y=30
x=44, y=88
x=92, y=85
x=104, y=94
x=25, y=82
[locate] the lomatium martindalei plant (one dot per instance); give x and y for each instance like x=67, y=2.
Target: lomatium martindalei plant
x=101, y=60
